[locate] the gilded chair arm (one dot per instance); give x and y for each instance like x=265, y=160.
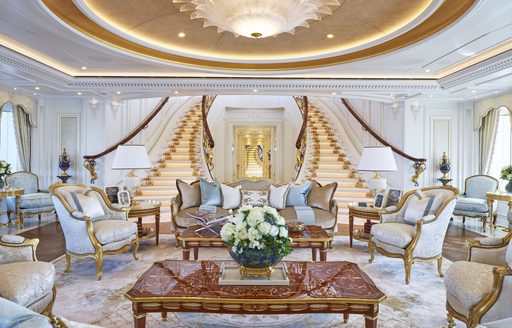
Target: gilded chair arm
x=15, y=248
x=174, y=214
x=488, y=250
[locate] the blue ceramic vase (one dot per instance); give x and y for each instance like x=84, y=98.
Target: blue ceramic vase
x=254, y=258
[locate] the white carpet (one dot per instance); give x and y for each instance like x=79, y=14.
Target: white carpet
x=81, y=298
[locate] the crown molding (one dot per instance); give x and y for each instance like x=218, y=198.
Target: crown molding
x=477, y=71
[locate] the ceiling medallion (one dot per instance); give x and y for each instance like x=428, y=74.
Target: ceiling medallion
x=258, y=19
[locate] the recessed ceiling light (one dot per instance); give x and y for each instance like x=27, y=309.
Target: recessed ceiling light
x=176, y=92
x=494, y=91
x=473, y=91
x=334, y=93
x=427, y=70
x=15, y=88
x=476, y=97
x=84, y=67
x=431, y=96
x=79, y=93
x=329, y=36
x=255, y=90
x=181, y=35
x=35, y=94
x=118, y=92
x=37, y=88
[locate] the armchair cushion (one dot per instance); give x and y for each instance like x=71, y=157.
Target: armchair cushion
x=475, y=205
x=468, y=282
x=110, y=231
x=26, y=283
x=88, y=205
x=36, y=200
x=419, y=206
x=396, y=234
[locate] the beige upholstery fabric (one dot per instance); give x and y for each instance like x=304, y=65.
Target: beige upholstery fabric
x=388, y=248
x=41, y=304
x=15, y=254
x=396, y=234
x=190, y=194
x=184, y=220
x=320, y=197
x=469, y=282
x=503, y=307
x=489, y=241
x=26, y=282
x=493, y=256
x=109, y=231
x=457, y=305
x=118, y=244
x=325, y=219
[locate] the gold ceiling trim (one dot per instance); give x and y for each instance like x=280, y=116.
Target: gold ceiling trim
x=446, y=14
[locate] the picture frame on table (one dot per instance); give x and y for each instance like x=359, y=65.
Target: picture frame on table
x=124, y=198
x=393, y=197
x=111, y=192
x=379, y=200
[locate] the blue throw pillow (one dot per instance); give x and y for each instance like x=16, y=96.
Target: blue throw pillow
x=298, y=194
x=211, y=193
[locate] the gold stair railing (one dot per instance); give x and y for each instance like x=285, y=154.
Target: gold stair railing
x=419, y=164
x=301, y=142
x=208, y=142
x=90, y=160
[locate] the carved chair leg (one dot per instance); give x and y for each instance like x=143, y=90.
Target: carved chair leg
x=371, y=248
x=39, y=217
x=135, y=249
x=408, y=265
x=440, y=266
x=48, y=310
x=484, y=223
x=463, y=220
x=20, y=221
x=8, y=216
x=99, y=264
x=451, y=322
x=68, y=263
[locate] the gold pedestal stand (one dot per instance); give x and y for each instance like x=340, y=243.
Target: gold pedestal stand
x=255, y=272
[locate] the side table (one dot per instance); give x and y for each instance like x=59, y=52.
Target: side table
x=494, y=196
x=144, y=209
x=12, y=192
x=369, y=213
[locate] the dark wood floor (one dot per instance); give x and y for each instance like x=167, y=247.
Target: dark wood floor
x=52, y=244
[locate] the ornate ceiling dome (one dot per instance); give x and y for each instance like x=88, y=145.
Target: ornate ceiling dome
x=258, y=18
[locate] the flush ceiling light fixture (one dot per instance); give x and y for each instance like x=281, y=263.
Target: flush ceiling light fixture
x=257, y=19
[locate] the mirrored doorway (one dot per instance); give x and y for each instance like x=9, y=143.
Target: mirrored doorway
x=253, y=146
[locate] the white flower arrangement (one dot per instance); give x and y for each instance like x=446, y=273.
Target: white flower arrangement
x=257, y=228
x=5, y=168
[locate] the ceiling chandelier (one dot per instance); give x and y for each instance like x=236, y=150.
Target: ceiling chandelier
x=257, y=18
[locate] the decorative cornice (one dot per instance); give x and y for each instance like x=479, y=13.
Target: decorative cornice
x=492, y=65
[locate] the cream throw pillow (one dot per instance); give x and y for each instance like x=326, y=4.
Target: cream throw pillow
x=190, y=194
x=231, y=197
x=419, y=206
x=89, y=205
x=277, y=197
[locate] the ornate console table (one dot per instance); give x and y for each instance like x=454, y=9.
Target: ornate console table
x=315, y=287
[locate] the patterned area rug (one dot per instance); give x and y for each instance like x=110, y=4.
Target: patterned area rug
x=81, y=298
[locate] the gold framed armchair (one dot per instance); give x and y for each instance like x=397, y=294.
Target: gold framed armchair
x=25, y=280
x=418, y=240
x=33, y=201
x=92, y=226
x=479, y=290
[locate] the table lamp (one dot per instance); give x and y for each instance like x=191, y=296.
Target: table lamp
x=131, y=157
x=377, y=159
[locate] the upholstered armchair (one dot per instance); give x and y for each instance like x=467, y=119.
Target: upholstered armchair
x=473, y=202
x=479, y=290
x=414, y=233
x=92, y=226
x=33, y=201
x=23, y=279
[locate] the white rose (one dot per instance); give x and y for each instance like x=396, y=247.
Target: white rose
x=264, y=228
x=255, y=244
x=253, y=234
x=280, y=220
x=227, y=232
x=283, y=232
x=274, y=231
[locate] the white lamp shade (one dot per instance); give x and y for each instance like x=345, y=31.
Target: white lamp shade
x=131, y=157
x=377, y=159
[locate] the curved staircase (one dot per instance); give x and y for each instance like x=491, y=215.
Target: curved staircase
x=181, y=160
x=329, y=163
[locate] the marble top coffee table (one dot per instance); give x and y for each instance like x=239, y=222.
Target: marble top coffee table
x=314, y=237
x=315, y=287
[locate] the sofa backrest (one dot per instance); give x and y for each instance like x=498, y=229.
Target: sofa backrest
x=251, y=184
